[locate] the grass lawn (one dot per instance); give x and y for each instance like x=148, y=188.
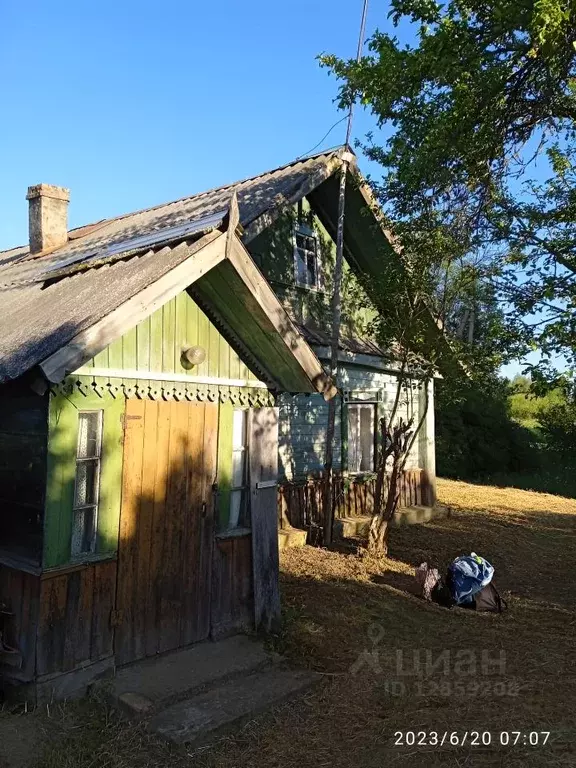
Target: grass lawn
x=338, y=605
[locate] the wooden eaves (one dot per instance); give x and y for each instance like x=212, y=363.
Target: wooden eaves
x=222, y=273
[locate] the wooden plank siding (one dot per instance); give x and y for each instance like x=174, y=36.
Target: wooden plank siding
x=20, y=596
x=62, y=439
x=263, y=476
x=166, y=527
x=156, y=345
x=300, y=503
x=23, y=457
x=232, y=608
x=74, y=626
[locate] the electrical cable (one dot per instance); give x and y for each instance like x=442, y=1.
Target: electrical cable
x=323, y=139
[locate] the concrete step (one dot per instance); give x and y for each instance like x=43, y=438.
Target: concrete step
x=226, y=707
x=291, y=537
x=350, y=527
x=145, y=686
x=416, y=515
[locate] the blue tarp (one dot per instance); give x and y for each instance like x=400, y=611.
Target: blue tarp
x=468, y=575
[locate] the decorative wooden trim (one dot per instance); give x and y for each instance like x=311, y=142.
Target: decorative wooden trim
x=130, y=373
x=203, y=255
x=165, y=389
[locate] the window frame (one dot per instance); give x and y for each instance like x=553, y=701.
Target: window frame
x=358, y=403
x=242, y=522
x=302, y=229
x=94, y=505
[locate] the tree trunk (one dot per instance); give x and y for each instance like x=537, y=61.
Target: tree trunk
x=378, y=534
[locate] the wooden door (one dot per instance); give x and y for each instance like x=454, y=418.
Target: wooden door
x=166, y=527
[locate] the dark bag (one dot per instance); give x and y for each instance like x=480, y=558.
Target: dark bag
x=442, y=595
x=488, y=599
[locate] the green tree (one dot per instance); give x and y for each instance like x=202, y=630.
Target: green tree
x=478, y=159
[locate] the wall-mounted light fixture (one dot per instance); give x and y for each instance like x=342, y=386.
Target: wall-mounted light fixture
x=192, y=356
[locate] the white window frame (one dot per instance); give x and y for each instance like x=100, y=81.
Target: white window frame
x=243, y=489
x=358, y=403
x=97, y=459
x=303, y=230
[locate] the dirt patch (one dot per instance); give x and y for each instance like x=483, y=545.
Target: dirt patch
x=22, y=738
x=392, y=662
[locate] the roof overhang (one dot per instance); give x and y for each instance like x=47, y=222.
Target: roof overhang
x=220, y=271
x=368, y=245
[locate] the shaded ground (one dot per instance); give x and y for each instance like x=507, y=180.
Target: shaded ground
x=348, y=617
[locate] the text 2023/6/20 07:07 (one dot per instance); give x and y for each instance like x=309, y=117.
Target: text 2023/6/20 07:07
x=471, y=738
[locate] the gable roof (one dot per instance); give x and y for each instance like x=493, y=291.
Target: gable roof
x=49, y=299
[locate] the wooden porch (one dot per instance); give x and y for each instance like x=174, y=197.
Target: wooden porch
x=301, y=503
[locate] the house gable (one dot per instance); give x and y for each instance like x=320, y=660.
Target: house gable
x=273, y=251
x=155, y=346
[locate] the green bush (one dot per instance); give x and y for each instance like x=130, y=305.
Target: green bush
x=558, y=426
x=476, y=435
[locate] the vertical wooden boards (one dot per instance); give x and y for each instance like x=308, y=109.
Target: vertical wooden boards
x=207, y=516
x=169, y=581
x=63, y=422
x=61, y=468
x=104, y=600
x=160, y=472
x=263, y=459
x=129, y=520
x=190, y=556
x=74, y=626
x=156, y=344
x=21, y=592
x=232, y=606
x=144, y=527
x=167, y=526
x=110, y=472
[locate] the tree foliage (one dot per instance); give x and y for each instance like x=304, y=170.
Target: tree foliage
x=479, y=116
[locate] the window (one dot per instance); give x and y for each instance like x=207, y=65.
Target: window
x=87, y=486
x=239, y=490
x=361, y=437
x=306, y=256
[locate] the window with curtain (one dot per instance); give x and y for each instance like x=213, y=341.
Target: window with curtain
x=306, y=256
x=239, y=490
x=361, y=437
x=87, y=484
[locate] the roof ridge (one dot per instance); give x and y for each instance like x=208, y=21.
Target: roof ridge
x=103, y=222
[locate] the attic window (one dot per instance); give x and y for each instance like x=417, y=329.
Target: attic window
x=305, y=256
x=87, y=485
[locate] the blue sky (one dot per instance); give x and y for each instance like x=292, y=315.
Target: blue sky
x=130, y=104
x=135, y=103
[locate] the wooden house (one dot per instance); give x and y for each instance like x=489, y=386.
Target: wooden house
x=160, y=372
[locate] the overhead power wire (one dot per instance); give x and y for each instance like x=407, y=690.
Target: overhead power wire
x=323, y=139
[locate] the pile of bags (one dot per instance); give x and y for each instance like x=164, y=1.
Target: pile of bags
x=467, y=584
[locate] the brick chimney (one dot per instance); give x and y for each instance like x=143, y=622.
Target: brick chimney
x=47, y=217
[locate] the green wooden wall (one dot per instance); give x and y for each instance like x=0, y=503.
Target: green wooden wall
x=62, y=438
x=273, y=251
x=156, y=344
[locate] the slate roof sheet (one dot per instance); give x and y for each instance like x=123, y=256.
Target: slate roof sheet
x=41, y=314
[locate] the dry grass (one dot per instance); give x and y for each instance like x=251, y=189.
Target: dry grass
x=337, y=605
